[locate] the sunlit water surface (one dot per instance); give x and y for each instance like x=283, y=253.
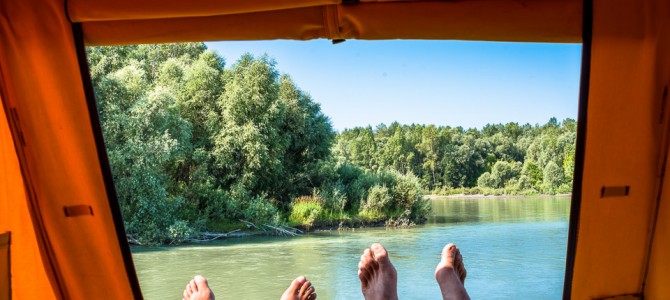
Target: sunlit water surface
x=513, y=249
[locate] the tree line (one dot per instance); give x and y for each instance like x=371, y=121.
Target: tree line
x=498, y=159
x=196, y=145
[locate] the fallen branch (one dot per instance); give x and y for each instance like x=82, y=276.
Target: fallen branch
x=249, y=225
x=209, y=236
x=296, y=230
x=132, y=240
x=284, y=231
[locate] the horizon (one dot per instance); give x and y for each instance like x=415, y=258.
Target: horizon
x=376, y=126
x=443, y=83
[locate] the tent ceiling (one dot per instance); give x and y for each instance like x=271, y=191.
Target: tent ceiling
x=129, y=22
x=111, y=10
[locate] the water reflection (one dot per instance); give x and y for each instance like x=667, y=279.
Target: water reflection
x=491, y=209
x=514, y=248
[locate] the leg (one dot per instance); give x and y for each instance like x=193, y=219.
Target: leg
x=299, y=289
x=450, y=274
x=198, y=289
x=379, y=279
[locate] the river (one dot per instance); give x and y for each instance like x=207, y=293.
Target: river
x=513, y=248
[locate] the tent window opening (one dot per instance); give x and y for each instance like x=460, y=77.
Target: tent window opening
x=285, y=158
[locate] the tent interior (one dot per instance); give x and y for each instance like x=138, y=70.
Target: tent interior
x=61, y=233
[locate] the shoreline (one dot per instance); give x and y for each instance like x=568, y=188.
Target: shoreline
x=340, y=225
x=480, y=196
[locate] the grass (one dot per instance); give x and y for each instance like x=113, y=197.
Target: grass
x=305, y=213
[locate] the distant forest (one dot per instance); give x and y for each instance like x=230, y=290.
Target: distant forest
x=195, y=145
x=499, y=159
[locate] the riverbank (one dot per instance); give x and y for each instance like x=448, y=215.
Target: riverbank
x=246, y=229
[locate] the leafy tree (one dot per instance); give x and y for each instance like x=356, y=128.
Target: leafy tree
x=485, y=180
x=428, y=148
x=553, y=177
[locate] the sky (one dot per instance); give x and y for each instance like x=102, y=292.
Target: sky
x=454, y=83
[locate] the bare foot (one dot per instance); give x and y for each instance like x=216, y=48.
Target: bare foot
x=379, y=279
x=198, y=289
x=299, y=289
x=450, y=274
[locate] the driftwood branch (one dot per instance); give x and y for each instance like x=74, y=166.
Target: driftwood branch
x=284, y=230
x=204, y=237
x=132, y=240
x=210, y=236
x=249, y=224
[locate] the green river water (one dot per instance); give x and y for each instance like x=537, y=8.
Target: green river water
x=513, y=248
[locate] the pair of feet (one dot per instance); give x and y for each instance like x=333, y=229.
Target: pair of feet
x=379, y=279
x=299, y=289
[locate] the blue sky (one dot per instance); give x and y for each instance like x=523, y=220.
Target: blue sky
x=455, y=83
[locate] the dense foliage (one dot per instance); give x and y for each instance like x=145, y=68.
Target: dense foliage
x=195, y=145
x=499, y=159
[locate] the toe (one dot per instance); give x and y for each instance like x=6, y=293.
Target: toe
x=460, y=267
x=200, y=282
x=304, y=287
x=193, y=286
x=364, y=276
x=294, y=288
x=367, y=254
x=448, y=249
x=308, y=292
x=371, y=267
x=380, y=254
x=448, y=254
x=296, y=284
x=369, y=263
x=186, y=294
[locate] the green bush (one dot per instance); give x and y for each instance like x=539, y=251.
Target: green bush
x=305, y=210
x=259, y=210
x=524, y=183
x=408, y=196
x=564, y=189
x=474, y=191
x=335, y=197
x=179, y=232
x=485, y=180
x=151, y=215
x=378, y=199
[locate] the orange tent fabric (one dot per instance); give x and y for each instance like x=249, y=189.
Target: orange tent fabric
x=627, y=125
x=15, y=218
x=541, y=21
x=51, y=161
x=58, y=165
